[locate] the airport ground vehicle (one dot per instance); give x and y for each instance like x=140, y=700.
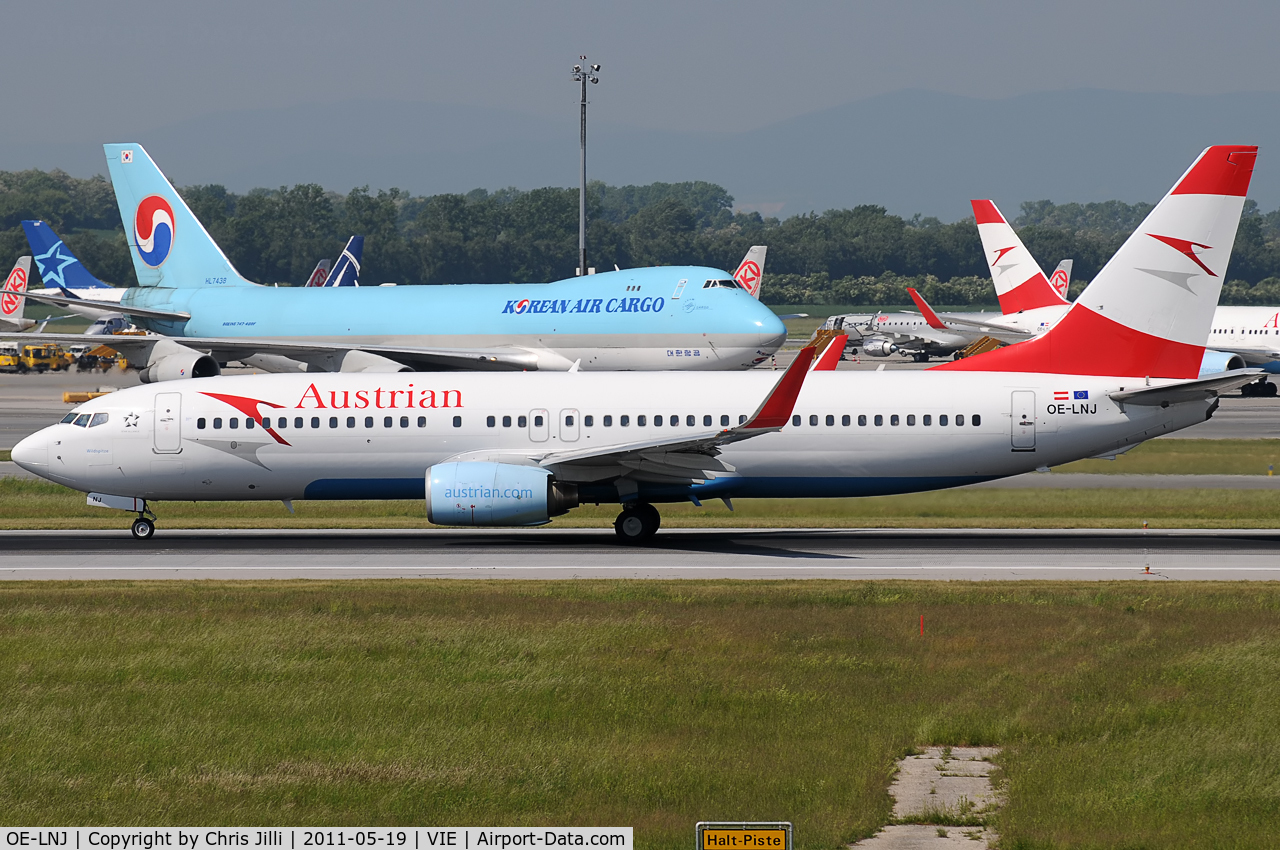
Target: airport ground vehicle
x=46, y=357
x=494, y=449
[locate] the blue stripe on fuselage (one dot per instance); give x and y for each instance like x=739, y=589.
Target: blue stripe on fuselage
x=625, y=302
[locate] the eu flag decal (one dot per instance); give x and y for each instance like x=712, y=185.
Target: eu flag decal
x=1081, y=395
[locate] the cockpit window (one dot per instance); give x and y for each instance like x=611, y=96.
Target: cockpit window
x=726, y=284
x=99, y=419
x=82, y=420
x=69, y=418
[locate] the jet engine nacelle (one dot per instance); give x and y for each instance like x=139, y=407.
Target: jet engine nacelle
x=1215, y=362
x=878, y=347
x=484, y=493
x=170, y=361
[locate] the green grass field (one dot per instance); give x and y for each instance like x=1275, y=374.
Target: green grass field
x=1132, y=715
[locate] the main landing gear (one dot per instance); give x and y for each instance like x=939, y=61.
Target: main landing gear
x=637, y=523
x=145, y=525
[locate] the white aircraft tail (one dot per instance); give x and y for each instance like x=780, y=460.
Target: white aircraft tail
x=1060, y=280
x=13, y=302
x=320, y=273
x=1020, y=282
x=750, y=273
x=1149, y=310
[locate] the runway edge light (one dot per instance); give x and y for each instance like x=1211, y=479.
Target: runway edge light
x=743, y=835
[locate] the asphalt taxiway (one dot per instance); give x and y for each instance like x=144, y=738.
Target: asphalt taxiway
x=1082, y=555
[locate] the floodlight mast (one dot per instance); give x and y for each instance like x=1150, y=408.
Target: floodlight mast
x=583, y=73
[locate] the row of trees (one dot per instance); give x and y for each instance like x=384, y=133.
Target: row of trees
x=861, y=255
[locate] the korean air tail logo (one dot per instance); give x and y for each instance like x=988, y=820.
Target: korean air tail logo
x=153, y=230
x=13, y=289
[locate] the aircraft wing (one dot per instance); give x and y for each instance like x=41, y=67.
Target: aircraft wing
x=222, y=349
x=110, y=306
x=994, y=329
x=1196, y=390
x=689, y=458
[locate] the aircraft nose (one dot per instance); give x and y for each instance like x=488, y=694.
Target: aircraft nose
x=32, y=453
x=771, y=327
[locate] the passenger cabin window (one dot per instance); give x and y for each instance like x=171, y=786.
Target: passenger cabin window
x=422, y=421
x=233, y=423
x=368, y=422
x=844, y=420
x=911, y=419
x=404, y=421
x=490, y=421
x=624, y=420
x=879, y=419
x=657, y=421
x=831, y=420
x=217, y=422
x=281, y=423
x=351, y=422
x=457, y=421
x=522, y=421
x=568, y=421
x=724, y=421
x=315, y=421
x=640, y=422
x=297, y=422
x=927, y=419
x=506, y=422
x=200, y=423
x=588, y=420
x=795, y=420
x=333, y=422
x=893, y=419
x=942, y=420
x=608, y=421
x=977, y=420
x=537, y=421
x=862, y=419
x=386, y=421
x=959, y=419
x=742, y=418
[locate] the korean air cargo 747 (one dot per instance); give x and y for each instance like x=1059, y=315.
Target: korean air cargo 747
x=681, y=317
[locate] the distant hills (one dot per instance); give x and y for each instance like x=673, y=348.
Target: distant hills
x=910, y=151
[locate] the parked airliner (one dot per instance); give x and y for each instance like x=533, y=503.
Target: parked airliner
x=682, y=317
x=495, y=449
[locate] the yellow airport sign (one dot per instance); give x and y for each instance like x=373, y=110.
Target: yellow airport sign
x=713, y=835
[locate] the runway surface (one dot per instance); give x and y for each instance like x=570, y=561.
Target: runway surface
x=1089, y=554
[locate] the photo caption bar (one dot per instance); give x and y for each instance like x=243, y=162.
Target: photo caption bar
x=301, y=837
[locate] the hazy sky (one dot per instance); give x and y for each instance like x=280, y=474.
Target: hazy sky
x=125, y=66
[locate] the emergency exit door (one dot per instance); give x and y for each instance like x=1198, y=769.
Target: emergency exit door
x=1024, y=421
x=167, y=434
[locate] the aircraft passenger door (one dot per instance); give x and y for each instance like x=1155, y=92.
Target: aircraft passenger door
x=539, y=426
x=167, y=434
x=1024, y=421
x=569, y=425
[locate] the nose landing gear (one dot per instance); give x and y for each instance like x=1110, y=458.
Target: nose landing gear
x=637, y=523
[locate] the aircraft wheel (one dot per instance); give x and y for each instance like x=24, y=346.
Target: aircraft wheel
x=1268, y=389
x=637, y=524
x=920, y=358
x=143, y=528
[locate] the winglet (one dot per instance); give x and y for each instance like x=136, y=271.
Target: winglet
x=926, y=311
x=776, y=409
x=831, y=354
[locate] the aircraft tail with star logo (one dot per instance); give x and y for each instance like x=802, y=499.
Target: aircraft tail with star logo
x=59, y=268
x=1149, y=311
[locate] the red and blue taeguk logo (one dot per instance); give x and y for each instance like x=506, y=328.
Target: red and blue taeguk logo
x=153, y=228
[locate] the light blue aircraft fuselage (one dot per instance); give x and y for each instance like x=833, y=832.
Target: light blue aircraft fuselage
x=681, y=317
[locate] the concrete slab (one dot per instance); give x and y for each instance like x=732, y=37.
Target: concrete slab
x=940, y=783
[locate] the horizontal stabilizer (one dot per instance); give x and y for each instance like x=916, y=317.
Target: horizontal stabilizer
x=1197, y=390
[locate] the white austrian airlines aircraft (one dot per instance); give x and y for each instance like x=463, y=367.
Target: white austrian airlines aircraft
x=502, y=449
